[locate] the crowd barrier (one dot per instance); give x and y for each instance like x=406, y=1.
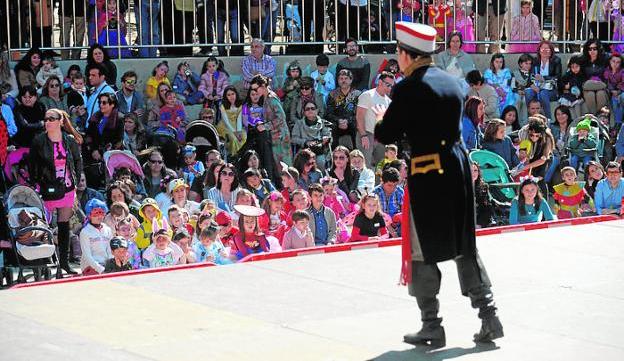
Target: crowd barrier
x=176, y=26
x=329, y=249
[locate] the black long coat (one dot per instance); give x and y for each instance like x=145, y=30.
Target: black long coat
x=427, y=108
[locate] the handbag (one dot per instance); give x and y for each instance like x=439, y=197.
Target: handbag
x=56, y=189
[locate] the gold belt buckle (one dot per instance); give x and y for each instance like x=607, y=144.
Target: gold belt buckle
x=426, y=163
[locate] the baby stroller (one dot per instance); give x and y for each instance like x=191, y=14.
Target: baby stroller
x=600, y=132
x=204, y=136
x=16, y=166
x=164, y=138
x=495, y=173
x=116, y=159
x=30, y=234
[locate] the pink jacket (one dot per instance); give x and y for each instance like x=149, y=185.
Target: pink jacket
x=206, y=84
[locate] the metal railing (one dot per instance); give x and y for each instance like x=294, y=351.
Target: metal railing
x=145, y=28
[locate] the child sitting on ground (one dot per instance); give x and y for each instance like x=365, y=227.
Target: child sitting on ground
x=120, y=261
x=250, y=239
x=332, y=200
x=227, y=230
x=274, y=221
x=183, y=239
x=299, y=235
x=209, y=248
x=569, y=196
x=125, y=230
x=369, y=224
x=162, y=252
x=94, y=239
x=148, y=212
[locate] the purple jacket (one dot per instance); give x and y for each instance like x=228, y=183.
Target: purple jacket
x=206, y=84
x=615, y=81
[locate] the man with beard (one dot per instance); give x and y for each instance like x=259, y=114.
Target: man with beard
x=357, y=64
x=341, y=109
x=439, y=207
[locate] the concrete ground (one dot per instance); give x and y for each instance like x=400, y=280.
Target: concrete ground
x=560, y=294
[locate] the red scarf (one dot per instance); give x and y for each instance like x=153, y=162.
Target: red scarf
x=406, y=246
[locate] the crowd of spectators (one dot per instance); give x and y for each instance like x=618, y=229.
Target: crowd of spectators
x=299, y=165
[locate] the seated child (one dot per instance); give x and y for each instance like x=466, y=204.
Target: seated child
x=175, y=214
x=183, y=239
x=261, y=188
x=192, y=168
x=369, y=224
x=274, y=221
x=332, y=200
x=148, y=212
x=569, y=195
x=520, y=170
x=94, y=239
x=582, y=146
x=209, y=248
x=299, y=235
x=290, y=177
x=125, y=229
x=390, y=155
x=186, y=83
x=389, y=192
x=250, y=239
x=162, y=252
x=571, y=86
x=529, y=206
x=227, y=230
x=48, y=68
x=324, y=81
x=523, y=79
x=120, y=261
x=173, y=116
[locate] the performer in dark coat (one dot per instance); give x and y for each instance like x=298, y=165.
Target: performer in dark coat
x=439, y=206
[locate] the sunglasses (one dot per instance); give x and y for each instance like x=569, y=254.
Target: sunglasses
x=389, y=85
x=311, y=162
x=98, y=212
x=255, y=88
x=306, y=87
x=129, y=121
x=104, y=102
x=55, y=85
x=613, y=172
x=130, y=81
x=309, y=108
x=156, y=161
x=51, y=119
x=341, y=157
x=592, y=48
x=226, y=173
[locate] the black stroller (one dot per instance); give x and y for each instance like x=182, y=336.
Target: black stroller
x=204, y=136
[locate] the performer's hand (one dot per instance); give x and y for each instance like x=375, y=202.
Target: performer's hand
x=379, y=110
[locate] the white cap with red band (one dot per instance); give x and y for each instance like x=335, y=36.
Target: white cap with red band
x=416, y=37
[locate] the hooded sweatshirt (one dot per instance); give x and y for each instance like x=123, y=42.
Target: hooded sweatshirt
x=144, y=233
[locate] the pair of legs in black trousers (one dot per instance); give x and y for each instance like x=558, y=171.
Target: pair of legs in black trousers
x=474, y=283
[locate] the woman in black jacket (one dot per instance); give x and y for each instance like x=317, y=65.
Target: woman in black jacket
x=347, y=177
x=105, y=130
x=55, y=165
x=98, y=55
x=28, y=116
x=594, y=63
x=547, y=72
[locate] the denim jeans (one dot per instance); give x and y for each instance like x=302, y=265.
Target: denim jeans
x=617, y=104
x=574, y=160
x=544, y=96
x=268, y=33
x=150, y=27
x=552, y=168
x=221, y=18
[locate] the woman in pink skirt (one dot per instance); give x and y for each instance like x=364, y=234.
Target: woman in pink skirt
x=55, y=166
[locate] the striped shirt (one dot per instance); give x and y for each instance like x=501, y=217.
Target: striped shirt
x=252, y=66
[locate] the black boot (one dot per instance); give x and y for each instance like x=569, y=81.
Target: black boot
x=63, y=244
x=432, y=333
x=491, y=327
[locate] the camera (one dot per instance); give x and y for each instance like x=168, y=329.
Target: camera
x=187, y=70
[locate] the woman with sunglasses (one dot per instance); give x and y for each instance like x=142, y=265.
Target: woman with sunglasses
x=105, y=130
x=594, y=63
x=311, y=132
x=55, y=165
x=305, y=163
x=52, y=96
x=28, y=115
x=224, y=193
x=542, y=145
x=134, y=134
x=306, y=94
x=155, y=172
x=348, y=178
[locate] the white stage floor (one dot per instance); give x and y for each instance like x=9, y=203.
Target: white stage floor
x=560, y=294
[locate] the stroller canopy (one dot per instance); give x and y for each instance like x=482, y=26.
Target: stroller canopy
x=20, y=196
x=201, y=133
x=115, y=159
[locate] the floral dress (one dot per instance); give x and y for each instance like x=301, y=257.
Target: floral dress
x=280, y=135
x=501, y=82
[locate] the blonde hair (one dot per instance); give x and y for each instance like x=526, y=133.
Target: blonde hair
x=66, y=124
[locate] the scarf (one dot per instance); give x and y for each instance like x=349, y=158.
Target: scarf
x=419, y=62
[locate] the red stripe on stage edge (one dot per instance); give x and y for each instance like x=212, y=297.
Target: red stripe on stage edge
x=415, y=33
